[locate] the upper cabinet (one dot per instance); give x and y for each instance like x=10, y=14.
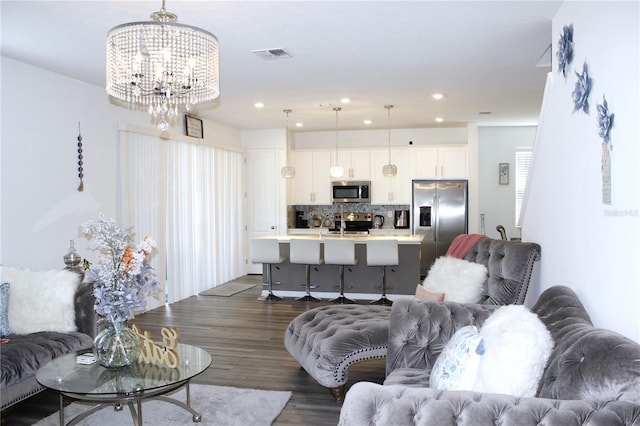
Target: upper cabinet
x=441, y=162
x=356, y=164
x=312, y=184
x=390, y=190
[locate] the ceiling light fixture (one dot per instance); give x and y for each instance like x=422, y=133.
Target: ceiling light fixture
x=437, y=96
x=389, y=170
x=162, y=66
x=259, y=105
x=439, y=119
x=288, y=171
x=337, y=170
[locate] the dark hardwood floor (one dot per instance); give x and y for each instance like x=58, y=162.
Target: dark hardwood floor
x=244, y=336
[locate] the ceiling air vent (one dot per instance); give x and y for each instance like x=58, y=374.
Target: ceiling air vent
x=270, y=54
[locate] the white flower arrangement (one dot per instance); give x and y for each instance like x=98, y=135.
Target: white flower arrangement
x=122, y=277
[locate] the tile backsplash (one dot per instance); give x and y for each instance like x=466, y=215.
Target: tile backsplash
x=327, y=212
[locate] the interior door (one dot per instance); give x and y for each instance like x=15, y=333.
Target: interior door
x=263, y=197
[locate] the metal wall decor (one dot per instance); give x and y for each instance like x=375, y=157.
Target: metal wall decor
x=80, y=161
x=565, y=49
x=582, y=90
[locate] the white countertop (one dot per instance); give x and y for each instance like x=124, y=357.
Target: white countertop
x=359, y=239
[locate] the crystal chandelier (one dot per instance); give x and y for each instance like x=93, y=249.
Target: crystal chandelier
x=162, y=66
x=337, y=170
x=389, y=169
x=288, y=171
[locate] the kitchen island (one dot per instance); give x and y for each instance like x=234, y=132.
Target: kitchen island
x=360, y=281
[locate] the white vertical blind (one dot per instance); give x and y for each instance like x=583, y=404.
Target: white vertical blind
x=523, y=160
x=141, y=197
x=190, y=198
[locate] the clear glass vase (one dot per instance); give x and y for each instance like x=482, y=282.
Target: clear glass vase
x=117, y=346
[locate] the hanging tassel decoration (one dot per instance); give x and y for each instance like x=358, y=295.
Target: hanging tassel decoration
x=80, y=162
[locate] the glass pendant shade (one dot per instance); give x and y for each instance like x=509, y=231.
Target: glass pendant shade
x=390, y=169
x=161, y=66
x=288, y=171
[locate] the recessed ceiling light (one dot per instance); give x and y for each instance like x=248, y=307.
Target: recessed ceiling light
x=345, y=100
x=437, y=96
x=298, y=124
x=367, y=122
x=258, y=105
x=439, y=119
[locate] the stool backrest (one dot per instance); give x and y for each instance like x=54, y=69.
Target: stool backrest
x=265, y=250
x=382, y=252
x=339, y=251
x=305, y=251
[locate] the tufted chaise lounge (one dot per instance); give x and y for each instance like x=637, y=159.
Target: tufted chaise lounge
x=592, y=376
x=328, y=339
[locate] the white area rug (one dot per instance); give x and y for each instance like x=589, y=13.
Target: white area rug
x=218, y=405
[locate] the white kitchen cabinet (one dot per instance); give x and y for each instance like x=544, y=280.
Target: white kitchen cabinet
x=438, y=162
x=312, y=184
x=390, y=190
x=356, y=164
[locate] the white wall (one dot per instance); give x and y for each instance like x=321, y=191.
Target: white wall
x=587, y=245
x=497, y=202
x=41, y=208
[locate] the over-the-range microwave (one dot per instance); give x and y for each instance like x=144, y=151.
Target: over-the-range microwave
x=350, y=191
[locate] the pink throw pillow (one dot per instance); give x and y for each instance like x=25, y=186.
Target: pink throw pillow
x=424, y=294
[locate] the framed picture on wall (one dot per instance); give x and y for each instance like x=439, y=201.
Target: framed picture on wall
x=503, y=173
x=193, y=126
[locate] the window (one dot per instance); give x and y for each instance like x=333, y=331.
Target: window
x=523, y=160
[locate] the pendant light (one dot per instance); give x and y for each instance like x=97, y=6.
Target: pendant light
x=337, y=170
x=287, y=171
x=389, y=169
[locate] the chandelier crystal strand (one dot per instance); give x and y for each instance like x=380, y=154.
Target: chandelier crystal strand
x=162, y=67
x=389, y=169
x=288, y=171
x=337, y=170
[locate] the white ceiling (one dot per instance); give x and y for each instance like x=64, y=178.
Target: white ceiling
x=482, y=55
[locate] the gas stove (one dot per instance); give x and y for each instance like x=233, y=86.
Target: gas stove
x=354, y=223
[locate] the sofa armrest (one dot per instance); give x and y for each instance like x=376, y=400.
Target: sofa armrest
x=419, y=330
x=373, y=404
x=86, y=317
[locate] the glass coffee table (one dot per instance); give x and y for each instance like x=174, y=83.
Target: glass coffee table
x=131, y=386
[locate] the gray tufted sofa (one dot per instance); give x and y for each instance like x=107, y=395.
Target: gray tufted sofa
x=328, y=339
x=592, y=376
x=24, y=354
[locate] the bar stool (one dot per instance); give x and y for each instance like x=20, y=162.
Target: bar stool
x=340, y=252
x=305, y=251
x=382, y=253
x=266, y=250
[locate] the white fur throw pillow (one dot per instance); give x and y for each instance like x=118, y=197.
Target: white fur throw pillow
x=460, y=280
x=517, y=346
x=41, y=301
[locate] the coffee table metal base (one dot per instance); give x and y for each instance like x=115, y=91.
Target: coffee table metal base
x=133, y=400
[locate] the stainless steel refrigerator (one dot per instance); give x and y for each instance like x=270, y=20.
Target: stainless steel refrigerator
x=439, y=211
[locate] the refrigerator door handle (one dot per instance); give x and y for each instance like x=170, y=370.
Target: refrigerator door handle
x=436, y=203
x=436, y=219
